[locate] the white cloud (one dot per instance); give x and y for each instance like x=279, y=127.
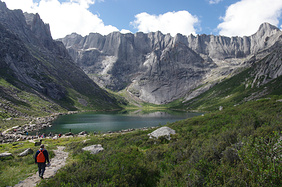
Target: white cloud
x=244, y=17
x=214, y=1
x=124, y=31
x=26, y=5
x=66, y=17
x=83, y=3
x=171, y=22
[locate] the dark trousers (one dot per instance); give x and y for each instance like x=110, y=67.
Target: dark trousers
x=41, y=169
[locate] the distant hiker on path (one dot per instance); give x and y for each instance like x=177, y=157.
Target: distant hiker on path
x=41, y=156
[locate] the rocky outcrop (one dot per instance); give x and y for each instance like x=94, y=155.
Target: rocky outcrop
x=40, y=30
x=270, y=67
x=159, y=68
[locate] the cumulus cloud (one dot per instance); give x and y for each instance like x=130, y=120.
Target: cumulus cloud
x=125, y=31
x=214, y=1
x=64, y=17
x=84, y=3
x=244, y=17
x=171, y=22
x=25, y=5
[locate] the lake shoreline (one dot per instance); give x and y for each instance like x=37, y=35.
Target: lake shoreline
x=103, y=122
x=35, y=128
x=12, y=137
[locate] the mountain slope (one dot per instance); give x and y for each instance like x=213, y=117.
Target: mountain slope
x=262, y=79
x=32, y=62
x=159, y=68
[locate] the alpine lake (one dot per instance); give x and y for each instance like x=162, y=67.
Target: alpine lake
x=114, y=121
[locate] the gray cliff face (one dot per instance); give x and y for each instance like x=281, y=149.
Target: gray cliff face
x=160, y=68
x=169, y=74
x=115, y=59
x=16, y=35
x=31, y=56
x=221, y=47
x=28, y=27
x=153, y=67
x=40, y=30
x=270, y=67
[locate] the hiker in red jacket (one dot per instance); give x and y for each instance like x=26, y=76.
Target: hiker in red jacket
x=41, y=156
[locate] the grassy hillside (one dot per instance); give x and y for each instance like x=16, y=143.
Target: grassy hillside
x=238, y=146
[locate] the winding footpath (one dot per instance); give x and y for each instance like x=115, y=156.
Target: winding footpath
x=56, y=163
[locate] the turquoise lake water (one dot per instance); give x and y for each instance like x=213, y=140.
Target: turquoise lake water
x=113, y=121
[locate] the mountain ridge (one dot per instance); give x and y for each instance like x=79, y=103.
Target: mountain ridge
x=153, y=67
x=147, y=65
x=31, y=61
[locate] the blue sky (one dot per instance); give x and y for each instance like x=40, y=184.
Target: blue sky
x=218, y=17
x=121, y=12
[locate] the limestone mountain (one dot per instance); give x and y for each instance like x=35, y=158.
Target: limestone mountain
x=31, y=61
x=159, y=68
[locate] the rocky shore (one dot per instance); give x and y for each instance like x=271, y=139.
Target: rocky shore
x=19, y=133
x=129, y=130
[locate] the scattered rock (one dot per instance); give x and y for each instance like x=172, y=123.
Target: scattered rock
x=26, y=152
x=84, y=141
x=94, y=149
x=163, y=131
x=4, y=155
x=19, y=133
x=69, y=134
x=55, y=137
x=38, y=143
x=82, y=133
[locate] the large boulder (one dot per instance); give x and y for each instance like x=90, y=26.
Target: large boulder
x=26, y=152
x=163, y=131
x=94, y=149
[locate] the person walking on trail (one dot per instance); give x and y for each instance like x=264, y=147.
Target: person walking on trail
x=41, y=157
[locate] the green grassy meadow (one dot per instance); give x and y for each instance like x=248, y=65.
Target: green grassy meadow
x=238, y=146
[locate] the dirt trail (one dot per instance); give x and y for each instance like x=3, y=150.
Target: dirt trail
x=56, y=163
